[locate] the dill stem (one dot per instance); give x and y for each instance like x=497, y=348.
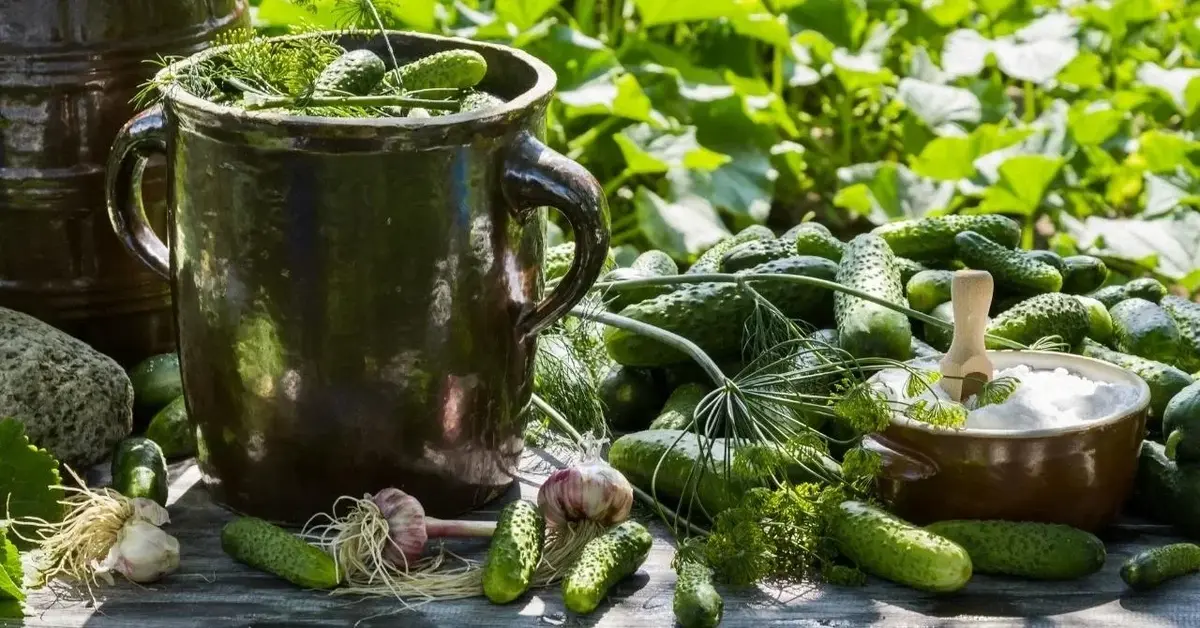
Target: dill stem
x=349, y=101
x=644, y=329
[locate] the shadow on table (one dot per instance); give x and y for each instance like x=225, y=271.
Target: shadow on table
x=994, y=596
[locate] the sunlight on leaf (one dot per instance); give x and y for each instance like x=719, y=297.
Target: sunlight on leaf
x=947, y=13
x=648, y=150
x=772, y=29
x=938, y=105
x=994, y=392
x=1165, y=152
x=937, y=412
x=1023, y=182
x=1173, y=83
x=612, y=93
x=1168, y=193
x=923, y=68
x=1085, y=71
x=921, y=380
x=1172, y=242
x=523, y=13
x=655, y=12
x=683, y=227
x=965, y=53
x=1091, y=125
x=887, y=191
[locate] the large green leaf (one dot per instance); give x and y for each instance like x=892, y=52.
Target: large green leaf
x=763, y=26
x=683, y=227
x=655, y=12
x=575, y=57
x=865, y=67
x=1085, y=71
x=842, y=22
x=616, y=93
x=1162, y=151
x=743, y=127
x=1094, y=123
x=947, y=13
x=1170, y=244
x=648, y=150
x=1174, y=83
x=523, y=13
x=1169, y=193
x=11, y=572
x=886, y=191
x=953, y=158
x=1049, y=136
x=1036, y=53
x=922, y=68
x=965, y=53
x=939, y=105
x=1023, y=181
x=27, y=475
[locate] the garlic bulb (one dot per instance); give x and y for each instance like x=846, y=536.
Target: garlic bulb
x=592, y=491
x=409, y=529
x=142, y=553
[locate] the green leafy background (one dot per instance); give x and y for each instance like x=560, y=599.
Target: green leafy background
x=705, y=116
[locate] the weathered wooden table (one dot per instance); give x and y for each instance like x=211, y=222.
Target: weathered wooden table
x=210, y=590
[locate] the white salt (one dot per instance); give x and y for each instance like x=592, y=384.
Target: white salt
x=1042, y=399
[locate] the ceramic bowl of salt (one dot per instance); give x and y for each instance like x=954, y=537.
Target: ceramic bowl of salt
x=1061, y=448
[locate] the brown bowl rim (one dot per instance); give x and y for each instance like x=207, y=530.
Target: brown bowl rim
x=1139, y=406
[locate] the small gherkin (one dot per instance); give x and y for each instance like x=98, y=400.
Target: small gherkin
x=357, y=72
x=515, y=552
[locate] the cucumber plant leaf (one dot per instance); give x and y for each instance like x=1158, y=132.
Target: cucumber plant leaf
x=886, y=191
x=655, y=12
x=648, y=150
x=1169, y=193
x=1175, y=84
x=1169, y=245
x=522, y=13
x=939, y=105
x=28, y=476
x=1022, y=183
x=616, y=93
x=683, y=227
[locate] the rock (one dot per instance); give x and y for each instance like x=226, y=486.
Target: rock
x=74, y=401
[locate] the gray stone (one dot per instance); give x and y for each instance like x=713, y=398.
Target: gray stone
x=74, y=401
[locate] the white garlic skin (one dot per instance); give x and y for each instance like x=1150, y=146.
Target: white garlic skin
x=406, y=526
x=143, y=553
x=592, y=491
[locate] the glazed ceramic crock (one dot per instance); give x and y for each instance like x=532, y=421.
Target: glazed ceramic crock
x=358, y=300
x=1079, y=475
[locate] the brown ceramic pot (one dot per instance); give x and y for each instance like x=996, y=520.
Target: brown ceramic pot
x=358, y=300
x=68, y=71
x=1077, y=475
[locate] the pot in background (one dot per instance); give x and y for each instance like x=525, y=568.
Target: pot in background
x=358, y=300
x=1079, y=475
x=68, y=71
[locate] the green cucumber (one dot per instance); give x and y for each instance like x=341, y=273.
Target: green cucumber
x=1050, y=314
x=1049, y=258
x=514, y=553
x=631, y=397
x=710, y=260
x=1012, y=269
x=1083, y=274
x=652, y=263
x=1165, y=381
x=805, y=226
x=1186, y=315
x=1039, y=551
x=638, y=455
x=449, y=69
x=713, y=315
x=940, y=337
x=1146, y=288
x=558, y=260
x=908, y=269
x=1181, y=424
x=888, y=547
x=818, y=242
x=1166, y=491
x=696, y=603
x=605, y=561
x=157, y=381
x=1100, y=325
x=867, y=329
x=1149, y=568
x=1144, y=329
x=356, y=72
x=680, y=407
x=655, y=263
x=932, y=239
x=172, y=430
x=755, y=252
x=477, y=101
x=139, y=469
x=929, y=289
x=272, y=549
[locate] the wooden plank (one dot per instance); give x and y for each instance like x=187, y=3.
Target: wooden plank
x=210, y=590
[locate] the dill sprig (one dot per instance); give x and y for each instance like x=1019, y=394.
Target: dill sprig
x=993, y=392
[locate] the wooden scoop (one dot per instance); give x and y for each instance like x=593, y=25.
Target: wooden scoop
x=966, y=367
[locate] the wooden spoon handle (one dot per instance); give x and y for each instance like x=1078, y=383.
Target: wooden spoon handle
x=971, y=293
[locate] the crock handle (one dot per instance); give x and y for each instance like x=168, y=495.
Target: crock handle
x=142, y=136
x=537, y=176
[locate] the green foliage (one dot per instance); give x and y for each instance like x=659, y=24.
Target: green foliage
x=11, y=573
x=28, y=477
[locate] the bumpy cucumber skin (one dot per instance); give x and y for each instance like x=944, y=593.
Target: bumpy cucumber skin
x=929, y=289
x=1146, y=288
x=478, y=101
x=940, y=338
x=1100, y=324
x=677, y=413
x=1149, y=568
x=1049, y=258
x=274, y=550
x=637, y=455
x=812, y=241
x=713, y=315
x=908, y=269
x=1083, y=274
x=710, y=260
x=749, y=254
x=1186, y=315
x=356, y=72
x=1044, y=315
x=1010, y=268
x=1165, y=381
x=157, y=381
x=1144, y=329
x=139, y=469
x=1038, y=551
x=604, y=561
x=804, y=226
x=1167, y=492
x=656, y=263
x=450, y=69
x=1181, y=425
x=557, y=260
x=932, y=239
x=625, y=298
x=514, y=552
x=867, y=329
x=886, y=546
x=172, y=430
x=696, y=602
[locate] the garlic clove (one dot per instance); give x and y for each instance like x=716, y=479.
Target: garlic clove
x=143, y=553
